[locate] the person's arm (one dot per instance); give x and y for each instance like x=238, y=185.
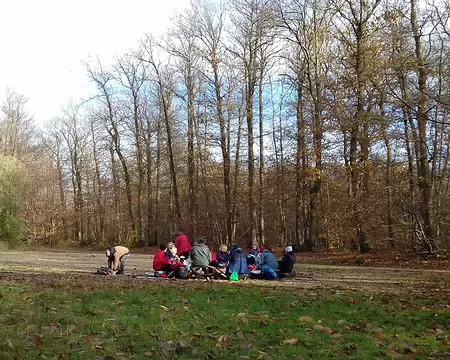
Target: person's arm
x=116, y=262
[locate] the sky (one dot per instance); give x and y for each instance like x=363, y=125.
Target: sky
x=44, y=43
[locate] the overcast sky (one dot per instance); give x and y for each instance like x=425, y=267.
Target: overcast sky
x=43, y=43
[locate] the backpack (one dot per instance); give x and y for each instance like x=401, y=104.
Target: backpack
x=103, y=271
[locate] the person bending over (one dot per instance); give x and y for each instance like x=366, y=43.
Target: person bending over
x=117, y=256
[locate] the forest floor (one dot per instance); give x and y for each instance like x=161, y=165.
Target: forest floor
x=312, y=271
x=55, y=307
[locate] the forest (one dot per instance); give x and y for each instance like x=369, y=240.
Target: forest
x=321, y=123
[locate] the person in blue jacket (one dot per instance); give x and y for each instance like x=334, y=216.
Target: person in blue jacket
x=238, y=261
x=267, y=258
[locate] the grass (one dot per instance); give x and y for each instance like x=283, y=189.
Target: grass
x=217, y=321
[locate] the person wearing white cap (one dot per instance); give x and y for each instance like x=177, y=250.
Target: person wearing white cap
x=288, y=261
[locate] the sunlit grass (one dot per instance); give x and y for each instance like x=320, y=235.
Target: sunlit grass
x=218, y=321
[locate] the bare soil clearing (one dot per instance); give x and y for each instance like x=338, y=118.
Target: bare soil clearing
x=56, y=267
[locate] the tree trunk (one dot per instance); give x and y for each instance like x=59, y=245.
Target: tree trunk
x=261, y=159
x=429, y=232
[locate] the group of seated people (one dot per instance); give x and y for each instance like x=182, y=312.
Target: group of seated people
x=175, y=259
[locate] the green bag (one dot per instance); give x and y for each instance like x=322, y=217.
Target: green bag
x=234, y=277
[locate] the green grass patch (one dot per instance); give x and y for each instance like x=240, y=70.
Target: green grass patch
x=217, y=321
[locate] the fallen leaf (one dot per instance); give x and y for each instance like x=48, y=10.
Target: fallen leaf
x=169, y=345
x=291, y=341
x=378, y=334
x=305, y=319
x=264, y=356
x=222, y=343
x=394, y=354
x=37, y=339
x=243, y=317
x=183, y=344
x=240, y=335
x=10, y=344
x=187, y=308
x=164, y=307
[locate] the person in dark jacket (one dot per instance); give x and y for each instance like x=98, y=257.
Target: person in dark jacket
x=238, y=261
x=288, y=261
x=223, y=256
x=254, y=251
x=200, y=253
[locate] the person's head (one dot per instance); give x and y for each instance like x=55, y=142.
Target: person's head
x=177, y=233
x=223, y=248
x=203, y=240
x=170, y=245
x=262, y=249
x=108, y=252
x=288, y=249
x=162, y=247
x=254, y=246
x=237, y=247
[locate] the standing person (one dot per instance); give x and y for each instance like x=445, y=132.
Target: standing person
x=182, y=244
x=200, y=253
x=117, y=256
x=288, y=261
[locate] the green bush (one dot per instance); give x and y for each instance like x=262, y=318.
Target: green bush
x=12, y=183
x=11, y=231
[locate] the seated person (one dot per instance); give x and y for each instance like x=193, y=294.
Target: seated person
x=171, y=252
x=200, y=253
x=182, y=244
x=213, y=259
x=254, y=251
x=116, y=259
x=267, y=258
x=162, y=263
x=223, y=256
x=238, y=261
x=252, y=257
x=288, y=261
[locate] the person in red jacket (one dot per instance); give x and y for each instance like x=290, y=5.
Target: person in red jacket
x=182, y=244
x=213, y=259
x=160, y=261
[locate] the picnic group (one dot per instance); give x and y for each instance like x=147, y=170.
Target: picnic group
x=180, y=259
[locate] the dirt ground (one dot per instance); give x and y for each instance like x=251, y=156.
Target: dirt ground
x=51, y=266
